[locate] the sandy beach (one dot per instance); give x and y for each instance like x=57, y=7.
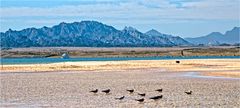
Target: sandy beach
x=68, y=84
x=219, y=67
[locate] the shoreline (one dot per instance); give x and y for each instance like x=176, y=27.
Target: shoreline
x=68, y=84
x=55, y=52
x=207, y=67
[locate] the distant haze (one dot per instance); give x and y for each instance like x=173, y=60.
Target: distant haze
x=214, y=38
x=185, y=18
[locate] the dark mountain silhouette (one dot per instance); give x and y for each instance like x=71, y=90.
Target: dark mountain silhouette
x=173, y=39
x=215, y=38
x=87, y=34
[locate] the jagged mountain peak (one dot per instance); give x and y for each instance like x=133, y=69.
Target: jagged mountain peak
x=153, y=32
x=129, y=28
x=10, y=30
x=91, y=21
x=230, y=37
x=235, y=28
x=63, y=23
x=215, y=33
x=174, y=39
x=84, y=33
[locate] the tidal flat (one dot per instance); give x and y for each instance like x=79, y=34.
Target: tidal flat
x=68, y=84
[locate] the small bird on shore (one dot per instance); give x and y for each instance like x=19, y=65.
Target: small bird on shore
x=142, y=94
x=130, y=90
x=120, y=98
x=188, y=92
x=156, y=97
x=140, y=100
x=159, y=90
x=177, y=61
x=106, y=91
x=94, y=91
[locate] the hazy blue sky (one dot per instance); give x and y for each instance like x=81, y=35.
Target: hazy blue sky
x=186, y=18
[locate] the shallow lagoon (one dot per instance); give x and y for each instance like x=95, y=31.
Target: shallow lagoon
x=56, y=60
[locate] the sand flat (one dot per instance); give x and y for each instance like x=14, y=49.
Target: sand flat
x=61, y=85
x=71, y=89
x=198, y=65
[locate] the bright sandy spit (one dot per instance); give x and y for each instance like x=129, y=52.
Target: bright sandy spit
x=215, y=67
x=67, y=85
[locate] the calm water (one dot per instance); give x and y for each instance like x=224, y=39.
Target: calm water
x=55, y=60
x=198, y=75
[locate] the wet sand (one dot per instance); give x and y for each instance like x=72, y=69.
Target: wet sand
x=69, y=87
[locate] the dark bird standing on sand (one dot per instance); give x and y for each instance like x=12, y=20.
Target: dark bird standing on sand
x=159, y=90
x=140, y=100
x=130, y=91
x=177, y=61
x=120, y=98
x=106, y=91
x=188, y=92
x=156, y=97
x=142, y=94
x=94, y=91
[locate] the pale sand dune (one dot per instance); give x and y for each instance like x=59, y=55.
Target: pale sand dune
x=194, y=65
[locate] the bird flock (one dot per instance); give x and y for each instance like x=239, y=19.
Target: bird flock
x=140, y=100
